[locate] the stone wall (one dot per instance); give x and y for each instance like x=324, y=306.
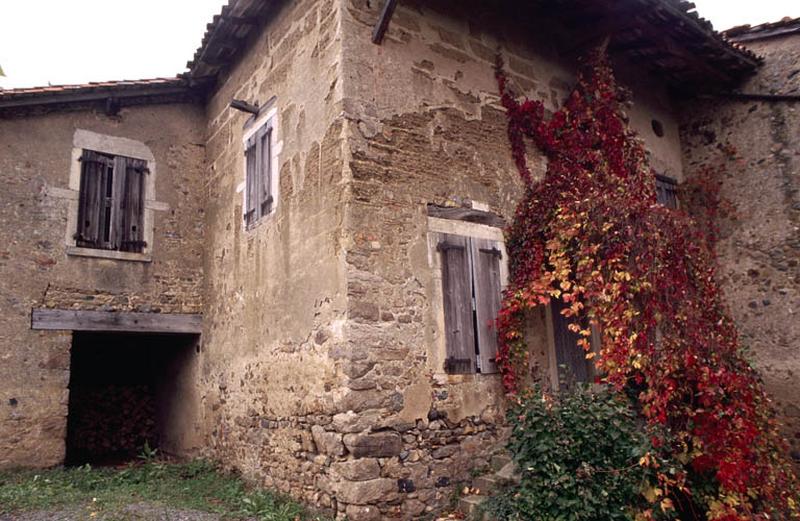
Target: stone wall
x=319, y=372
x=759, y=248
x=36, y=156
x=275, y=306
x=424, y=125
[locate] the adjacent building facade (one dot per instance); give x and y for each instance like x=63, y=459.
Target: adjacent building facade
x=303, y=236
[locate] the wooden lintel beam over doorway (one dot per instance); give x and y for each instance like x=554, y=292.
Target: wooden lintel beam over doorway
x=127, y=322
x=383, y=21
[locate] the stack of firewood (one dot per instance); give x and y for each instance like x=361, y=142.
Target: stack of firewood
x=111, y=420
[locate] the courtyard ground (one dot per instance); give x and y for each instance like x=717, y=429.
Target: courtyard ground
x=150, y=490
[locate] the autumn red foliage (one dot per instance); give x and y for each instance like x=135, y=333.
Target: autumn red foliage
x=591, y=233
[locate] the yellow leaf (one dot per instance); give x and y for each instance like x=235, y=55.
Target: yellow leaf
x=731, y=501
x=652, y=494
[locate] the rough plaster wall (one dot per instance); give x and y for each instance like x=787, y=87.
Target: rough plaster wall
x=759, y=250
x=275, y=293
x=35, y=271
x=425, y=126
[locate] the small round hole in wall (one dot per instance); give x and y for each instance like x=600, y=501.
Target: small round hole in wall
x=658, y=128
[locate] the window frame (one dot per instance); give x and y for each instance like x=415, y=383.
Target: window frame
x=265, y=123
x=668, y=186
x=554, y=371
x=119, y=178
x=437, y=227
x=114, y=146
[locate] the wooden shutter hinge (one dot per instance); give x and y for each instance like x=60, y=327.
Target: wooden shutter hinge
x=444, y=246
x=493, y=251
x=458, y=365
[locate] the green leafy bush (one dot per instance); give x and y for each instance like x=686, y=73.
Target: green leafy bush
x=579, y=454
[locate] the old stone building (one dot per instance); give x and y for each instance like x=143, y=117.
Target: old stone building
x=292, y=233
x=759, y=247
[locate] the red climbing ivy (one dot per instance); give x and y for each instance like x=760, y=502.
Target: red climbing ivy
x=591, y=233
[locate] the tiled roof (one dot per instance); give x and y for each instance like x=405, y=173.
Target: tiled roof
x=688, y=9
x=743, y=33
x=227, y=31
x=225, y=35
x=125, y=92
x=100, y=86
x=704, y=50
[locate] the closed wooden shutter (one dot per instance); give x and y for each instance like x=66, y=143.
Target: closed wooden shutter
x=93, y=200
x=132, y=206
x=114, y=204
x=251, y=160
x=570, y=357
x=264, y=153
x=666, y=191
x=486, y=257
x=457, y=296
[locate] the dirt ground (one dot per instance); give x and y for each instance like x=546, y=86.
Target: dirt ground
x=134, y=512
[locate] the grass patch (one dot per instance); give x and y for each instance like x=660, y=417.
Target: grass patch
x=196, y=485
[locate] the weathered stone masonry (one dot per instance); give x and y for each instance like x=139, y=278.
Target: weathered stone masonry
x=275, y=293
x=320, y=372
x=759, y=247
x=35, y=271
x=438, y=135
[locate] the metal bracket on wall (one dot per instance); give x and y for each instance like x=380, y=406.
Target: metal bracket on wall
x=383, y=21
x=244, y=106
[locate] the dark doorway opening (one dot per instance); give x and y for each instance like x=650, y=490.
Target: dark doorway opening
x=128, y=391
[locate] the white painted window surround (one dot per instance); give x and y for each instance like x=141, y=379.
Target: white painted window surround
x=267, y=116
x=436, y=226
x=438, y=351
x=120, y=146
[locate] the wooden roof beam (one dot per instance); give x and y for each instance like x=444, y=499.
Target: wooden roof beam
x=664, y=47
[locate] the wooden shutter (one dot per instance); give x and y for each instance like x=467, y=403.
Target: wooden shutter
x=457, y=296
x=251, y=183
x=486, y=257
x=115, y=202
x=570, y=357
x=666, y=191
x=92, y=200
x=132, y=206
x=264, y=169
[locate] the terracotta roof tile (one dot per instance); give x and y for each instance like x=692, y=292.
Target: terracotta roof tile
x=784, y=26
x=115, y=93
x=238, y=18
x=88, y=87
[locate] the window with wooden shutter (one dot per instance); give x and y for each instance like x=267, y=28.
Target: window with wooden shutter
x=132, y=206
x=570, y=357
x=250, y=173
x=93, y=201
x=258, y=173
x=666, y=191
x=111, y=202
x=471, y=291
x=265, y=185
x=486, y=256
x=457, y=294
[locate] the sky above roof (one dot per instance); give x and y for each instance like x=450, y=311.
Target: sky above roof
x=76, y=41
